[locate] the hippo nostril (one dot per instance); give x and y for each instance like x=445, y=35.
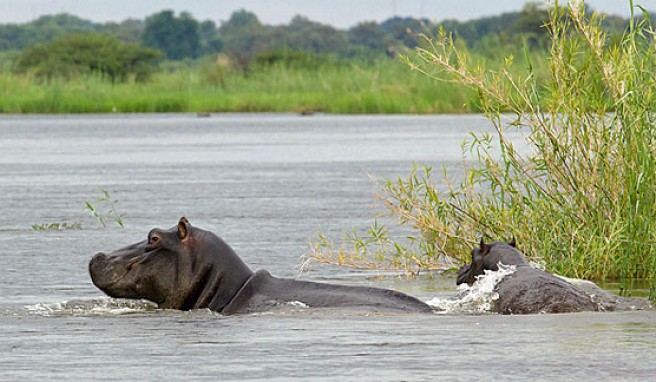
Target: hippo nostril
x=100, y=255
x=98, y=260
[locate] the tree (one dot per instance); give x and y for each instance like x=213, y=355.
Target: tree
x=305, y=35
x=72, y=55
x=371, y=37
x=407, y=29
x=210, y=42
x=530, y=24
x=177, y=37
x=243, y=36
x=43, y=29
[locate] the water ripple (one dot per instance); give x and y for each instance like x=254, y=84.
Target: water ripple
x=94, y=307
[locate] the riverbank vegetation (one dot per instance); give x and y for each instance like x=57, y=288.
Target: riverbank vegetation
x=174, y=63
x=384, y=86
x=581, y=198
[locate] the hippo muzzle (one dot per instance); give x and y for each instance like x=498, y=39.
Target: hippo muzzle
x=122, y=273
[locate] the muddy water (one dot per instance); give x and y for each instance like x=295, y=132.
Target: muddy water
x=265, y=183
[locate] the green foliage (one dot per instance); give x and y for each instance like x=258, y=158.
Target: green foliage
x=294, y=59
x=244, y=37
x=102, y=210
x=510, y=27
x=106, y=210
x=303, y=34
x=210, y=42
x=58, y=226
x=42, y=30
x=8, y=60
x=328, y=85
x=177, y=37
x=406, y=30
x=582, y=196
x=371, y=37
x=74, y=55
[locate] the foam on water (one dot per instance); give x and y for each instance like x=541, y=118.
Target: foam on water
x=478, y=298
x=298, y=304
x=112, y=307
x=94, y=307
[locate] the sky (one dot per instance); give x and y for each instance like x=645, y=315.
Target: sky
x=339, y=13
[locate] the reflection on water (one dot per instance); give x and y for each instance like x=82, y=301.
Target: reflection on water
x=265, y=183
x=628, y=288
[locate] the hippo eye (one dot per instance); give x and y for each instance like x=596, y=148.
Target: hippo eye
x=153, y=240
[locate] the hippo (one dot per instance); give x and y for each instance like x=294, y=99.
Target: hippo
x=187, y=268
x=528, y=290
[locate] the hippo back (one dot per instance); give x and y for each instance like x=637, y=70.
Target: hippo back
x=262, y=291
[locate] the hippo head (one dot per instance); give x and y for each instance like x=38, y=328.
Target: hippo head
x=488, y=257
x=180, y=268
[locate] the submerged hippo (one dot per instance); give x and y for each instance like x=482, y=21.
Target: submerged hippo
x=529, y=290
x=187, y=268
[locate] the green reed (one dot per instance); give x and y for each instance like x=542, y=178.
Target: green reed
x=382, y=86
x=103, y=209
x=582, y=198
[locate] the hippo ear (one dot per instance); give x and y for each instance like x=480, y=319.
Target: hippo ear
x=512, y=243
x=183, y=228
x=484, y=248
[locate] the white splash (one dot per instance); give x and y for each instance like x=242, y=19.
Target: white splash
x=95, y=307
x=538, y=264
x=475, y=299
x=298, y=304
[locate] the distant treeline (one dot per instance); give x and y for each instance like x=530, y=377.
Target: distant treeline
x=242, y=36
x=173, y=63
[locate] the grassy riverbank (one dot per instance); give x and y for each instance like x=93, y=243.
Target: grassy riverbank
x=384, y=86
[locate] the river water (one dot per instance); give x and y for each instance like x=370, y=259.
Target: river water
x=266, y=184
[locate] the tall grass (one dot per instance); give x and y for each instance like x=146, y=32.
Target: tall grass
x=582, y=198
x=384, y=86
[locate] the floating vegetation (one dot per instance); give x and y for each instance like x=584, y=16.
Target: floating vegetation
x=103, y=210
x=58, y=226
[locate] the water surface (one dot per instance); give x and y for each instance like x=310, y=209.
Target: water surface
x=266, y=184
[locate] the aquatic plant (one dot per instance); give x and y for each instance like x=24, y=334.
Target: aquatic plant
x=57, y=226
x=106, y=210
x=102, y=210
x=581, y=196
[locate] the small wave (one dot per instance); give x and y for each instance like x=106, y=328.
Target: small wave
x=94, y=307
x=478, y=298
x=298, y=304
